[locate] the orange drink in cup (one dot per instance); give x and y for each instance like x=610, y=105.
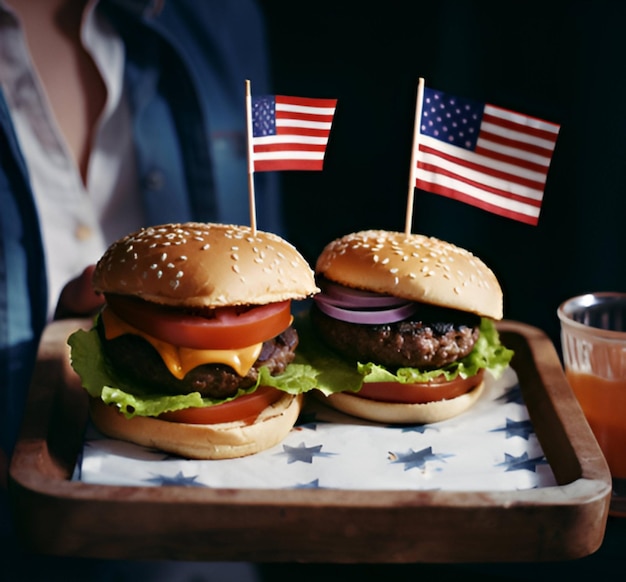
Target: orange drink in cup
x=593, y=337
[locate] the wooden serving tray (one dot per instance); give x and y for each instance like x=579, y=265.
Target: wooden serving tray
x=58, y=516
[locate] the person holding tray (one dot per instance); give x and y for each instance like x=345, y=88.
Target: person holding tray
x=113, y=115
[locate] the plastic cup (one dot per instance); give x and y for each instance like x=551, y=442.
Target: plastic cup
x=593, y=337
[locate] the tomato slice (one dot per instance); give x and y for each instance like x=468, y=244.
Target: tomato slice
x=230, y=328
x=419, y=392
x=245, y=408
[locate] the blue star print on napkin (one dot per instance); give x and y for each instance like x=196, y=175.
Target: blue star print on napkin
x=522, y=463
x=417, y=459
x=303, y=453
x=520, y=428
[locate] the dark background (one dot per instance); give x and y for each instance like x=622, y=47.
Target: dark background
x=562, y=61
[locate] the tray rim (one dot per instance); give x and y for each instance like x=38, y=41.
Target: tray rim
x=582, y=496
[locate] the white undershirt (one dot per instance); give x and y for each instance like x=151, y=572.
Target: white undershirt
x=77, y=223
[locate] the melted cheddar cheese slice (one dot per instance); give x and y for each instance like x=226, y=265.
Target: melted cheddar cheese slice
x=179, y=360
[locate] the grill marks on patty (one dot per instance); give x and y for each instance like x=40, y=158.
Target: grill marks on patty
x=432, y=338
x=135, y=359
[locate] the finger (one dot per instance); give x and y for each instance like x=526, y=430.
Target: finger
x=79, y=297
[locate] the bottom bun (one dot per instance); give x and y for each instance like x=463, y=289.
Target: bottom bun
x=227, y=440
x=395, y=413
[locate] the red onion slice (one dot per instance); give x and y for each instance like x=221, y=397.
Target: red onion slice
x=366, y=317
x=349, y=297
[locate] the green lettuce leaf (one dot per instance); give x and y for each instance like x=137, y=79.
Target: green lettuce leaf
x=315, y=367
x=100, y=381
x=334, y=374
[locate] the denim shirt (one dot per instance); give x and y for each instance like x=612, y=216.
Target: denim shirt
x=185, y=71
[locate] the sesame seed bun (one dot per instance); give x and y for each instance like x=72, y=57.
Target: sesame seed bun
x=414, y=267
x=160, y=345
x=201, y=441
x=204, y=265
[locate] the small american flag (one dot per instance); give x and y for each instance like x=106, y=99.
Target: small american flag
x=290, y=133
x=483, y=155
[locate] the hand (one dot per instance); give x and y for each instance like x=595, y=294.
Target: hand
x=78, y=297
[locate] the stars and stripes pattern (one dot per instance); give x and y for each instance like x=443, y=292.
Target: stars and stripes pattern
x=290, y=133
x=483, y=155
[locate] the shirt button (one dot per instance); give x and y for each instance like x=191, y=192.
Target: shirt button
x=83, y=232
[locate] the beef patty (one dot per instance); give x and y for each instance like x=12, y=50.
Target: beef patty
x=431, y=338
x=133, y=358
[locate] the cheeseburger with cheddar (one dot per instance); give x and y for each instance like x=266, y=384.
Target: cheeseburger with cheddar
x=192, y=353
x=404, y=327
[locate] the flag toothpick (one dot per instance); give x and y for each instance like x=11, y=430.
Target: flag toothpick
x=416, y=134
x=285, y=133
x=481, y=154
x=251, y=194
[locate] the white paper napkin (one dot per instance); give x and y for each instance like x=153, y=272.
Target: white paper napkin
x=491, y=447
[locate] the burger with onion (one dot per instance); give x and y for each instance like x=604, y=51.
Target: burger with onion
x=403, y=328
x=193, y=351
